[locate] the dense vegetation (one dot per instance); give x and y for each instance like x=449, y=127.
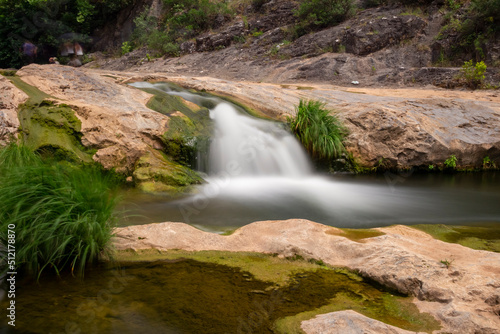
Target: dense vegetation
x=60, y=222
x=49, y=23
x=321, y=133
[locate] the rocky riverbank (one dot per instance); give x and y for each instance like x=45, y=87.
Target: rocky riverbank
x=389, y=128
x=463, y=295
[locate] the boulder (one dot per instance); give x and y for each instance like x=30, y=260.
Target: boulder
x=348, y=322
x=378, y=33
x=10, y=99
x=114, y=118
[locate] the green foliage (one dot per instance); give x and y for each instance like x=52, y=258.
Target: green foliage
x=126, y=47
x=473, y=74
x=183, y=20
x=62, y=214
x=447, y=263
x=47, y=23
x=144, y=27
x=488, y=163
x=321, y=134
x=451, y=162
x=324, y=13
x=188, y=17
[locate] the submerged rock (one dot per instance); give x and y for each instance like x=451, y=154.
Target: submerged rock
x=348, y=322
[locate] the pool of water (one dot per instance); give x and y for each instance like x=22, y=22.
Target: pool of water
x=186, y=296
x=353, y=201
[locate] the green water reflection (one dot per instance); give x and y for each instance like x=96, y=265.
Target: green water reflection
x=186, y=296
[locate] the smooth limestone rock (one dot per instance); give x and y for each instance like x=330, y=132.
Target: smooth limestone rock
x=114, y=118
x=459, y=296
x=399, y=128
x=10, y=99
x=348, y=322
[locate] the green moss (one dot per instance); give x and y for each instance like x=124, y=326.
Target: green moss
x=305, y=284
x=355, y=234
x=8, y=73
x=262, y=266
x=393, y=310
x=155, y=172
x=35, y=95
x=475, y=237
x=242, y=106
x=53, y=130
x=167, y=104
x=49, y=128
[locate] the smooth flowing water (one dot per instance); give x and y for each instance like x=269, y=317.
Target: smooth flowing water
x=258, y=171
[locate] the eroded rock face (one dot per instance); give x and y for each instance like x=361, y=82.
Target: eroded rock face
x=348, y=322
x=459, y=296
x=379, y=33
x=10, y=98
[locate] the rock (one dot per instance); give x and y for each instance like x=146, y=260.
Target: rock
x=404, y=258
x=10, y=99
x=220, y=40
x=397, y=128
x=348, y=322
x=114, y=118
x=155, y=173
x=379, y=33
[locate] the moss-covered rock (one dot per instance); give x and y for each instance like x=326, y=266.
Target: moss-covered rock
x=53, y=129
x=155, y=172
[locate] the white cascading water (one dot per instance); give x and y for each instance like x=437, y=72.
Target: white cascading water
x=259, y=171
x=255, y=147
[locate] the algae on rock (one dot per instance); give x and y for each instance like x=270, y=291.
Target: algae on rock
x=155, y=172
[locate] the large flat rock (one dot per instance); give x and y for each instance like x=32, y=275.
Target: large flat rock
x=115, y=119
x=463, y=297
x=402, y=128
x=348, y=322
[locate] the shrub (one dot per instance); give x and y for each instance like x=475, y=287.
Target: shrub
x=62, y=214
x=324, y=13
x=473, y=74
x=451, y=162
x=126, y=47
x=321, y=134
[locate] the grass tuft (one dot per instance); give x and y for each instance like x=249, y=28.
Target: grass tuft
x=62, y=215
x=321, y=133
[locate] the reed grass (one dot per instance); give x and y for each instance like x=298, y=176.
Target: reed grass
x=62, y=214
x=321, y=133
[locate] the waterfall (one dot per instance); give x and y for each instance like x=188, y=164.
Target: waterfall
x=256, y=147
x=259, y=171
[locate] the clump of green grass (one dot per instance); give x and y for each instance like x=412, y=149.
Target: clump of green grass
x=321, y=133
x=62, y=215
